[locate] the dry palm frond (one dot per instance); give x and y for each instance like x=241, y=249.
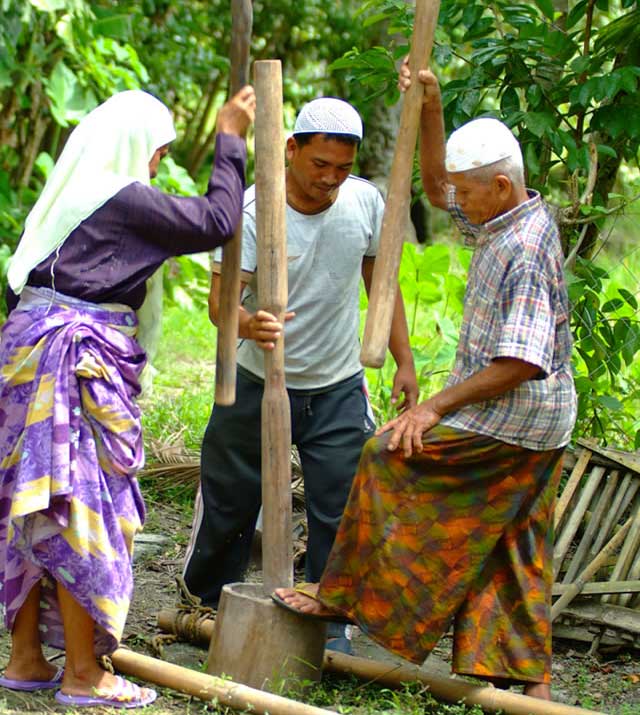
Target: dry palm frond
x=171, y=465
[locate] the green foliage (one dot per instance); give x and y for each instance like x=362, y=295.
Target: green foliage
x=56, y=65
x=185, y=412
x=607, y=338
x=564, y=81
x=432, y=281
x=186, y=281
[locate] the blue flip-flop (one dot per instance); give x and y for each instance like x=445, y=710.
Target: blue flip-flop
x=31, y=685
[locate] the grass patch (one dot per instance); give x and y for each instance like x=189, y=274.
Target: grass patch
x=353, y=696
x=183, y=387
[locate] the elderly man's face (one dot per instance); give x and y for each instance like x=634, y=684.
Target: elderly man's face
x=481, y=201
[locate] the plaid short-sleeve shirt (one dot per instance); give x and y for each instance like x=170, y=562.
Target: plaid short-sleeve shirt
x=516, y=305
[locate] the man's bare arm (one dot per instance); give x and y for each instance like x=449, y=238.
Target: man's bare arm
x=498, y=378
x=260, y=326
x=432, y=136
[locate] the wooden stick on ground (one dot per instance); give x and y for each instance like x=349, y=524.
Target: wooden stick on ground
x=241, y=697
x=209, y=687
x=241, y=24
x=394, y=222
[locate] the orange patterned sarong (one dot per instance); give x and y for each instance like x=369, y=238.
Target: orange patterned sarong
x=463, y=532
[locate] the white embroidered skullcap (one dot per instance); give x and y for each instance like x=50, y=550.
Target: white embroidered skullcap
x=481, y=142
x=328, y=115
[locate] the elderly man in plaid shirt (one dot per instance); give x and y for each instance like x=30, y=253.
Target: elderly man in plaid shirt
x=450, y=514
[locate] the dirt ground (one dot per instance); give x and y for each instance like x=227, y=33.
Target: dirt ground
x=608, y=683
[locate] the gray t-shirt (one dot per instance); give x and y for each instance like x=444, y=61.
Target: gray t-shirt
x=325, y=253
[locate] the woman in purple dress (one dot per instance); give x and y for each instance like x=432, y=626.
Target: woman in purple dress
x=70, y=434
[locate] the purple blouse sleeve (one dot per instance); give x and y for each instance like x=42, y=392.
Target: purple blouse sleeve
x=110, y=255
x=189, y=224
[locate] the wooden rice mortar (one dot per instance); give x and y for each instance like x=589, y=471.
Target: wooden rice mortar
x=225, y=394
x=384, y=286
x=246, y=699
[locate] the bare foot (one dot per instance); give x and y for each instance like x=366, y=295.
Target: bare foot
x=305, y=602
x=36, y=668
x=538, y=690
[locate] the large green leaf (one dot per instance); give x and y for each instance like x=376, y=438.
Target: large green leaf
x=69, y=100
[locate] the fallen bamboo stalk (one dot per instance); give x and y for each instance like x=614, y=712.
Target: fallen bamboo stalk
x=241, y=697
x=449, y=689
x=190, y=626
x=584, y=635
x=576, y=587
x=607, y=615
x=208, y=687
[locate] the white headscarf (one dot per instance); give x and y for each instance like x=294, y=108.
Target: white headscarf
x=109, y=149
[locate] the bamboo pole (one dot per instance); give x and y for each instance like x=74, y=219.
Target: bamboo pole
x=277, y=547
x=613, y=515
x=450, y=689
x=190, y=626
x=229, y=306
x=570, y=487
x=209, y=687
x=627, y=553
x=384, y=285
x=629, y=600
x=241, y=697
x=573, y=522
x=604, y=502
x=574, y=589
x=598, y=588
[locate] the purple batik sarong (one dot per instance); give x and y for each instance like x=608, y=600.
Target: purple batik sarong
x=70, y=446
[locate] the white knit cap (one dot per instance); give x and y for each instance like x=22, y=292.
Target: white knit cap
x=481, y=142
x=328, y=115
